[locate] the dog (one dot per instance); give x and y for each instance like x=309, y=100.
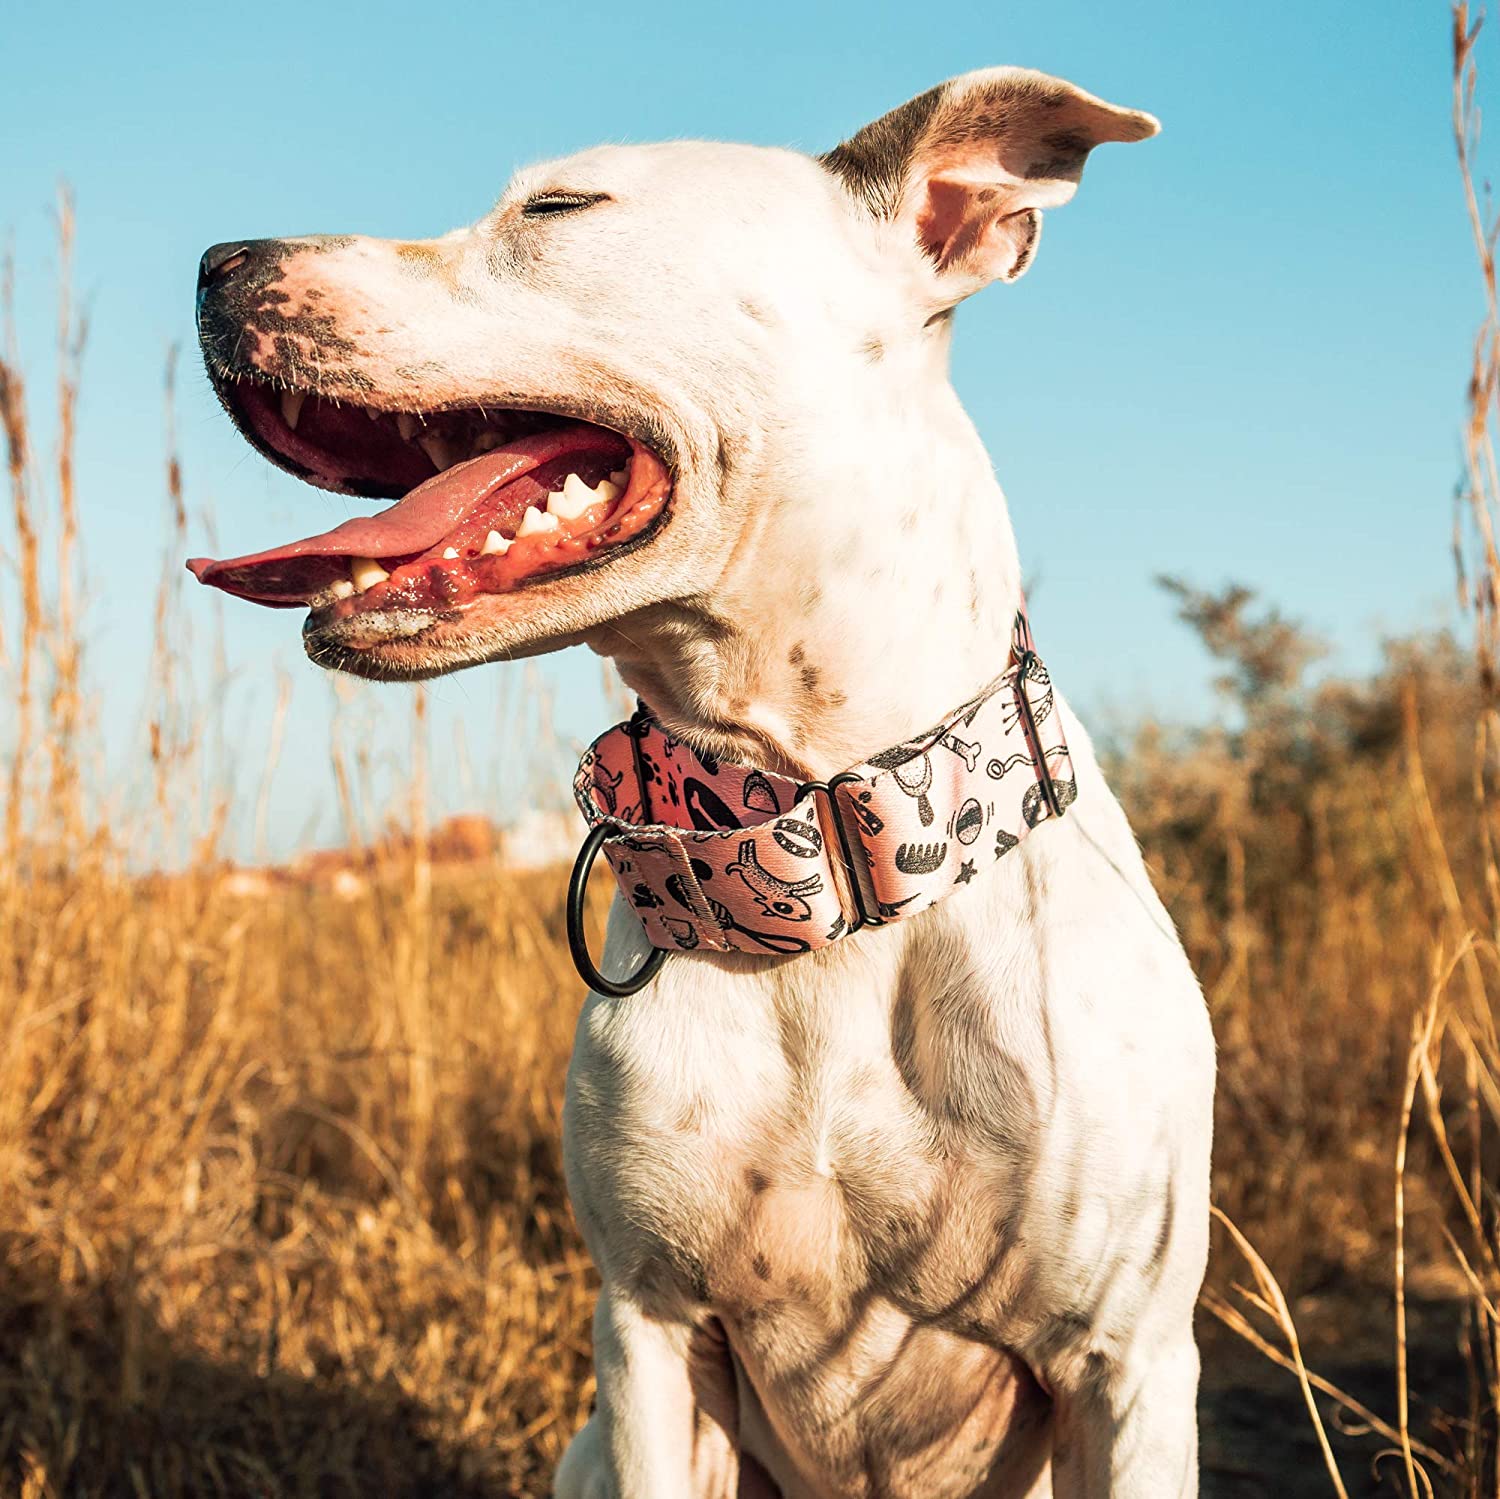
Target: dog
x=922, y=1212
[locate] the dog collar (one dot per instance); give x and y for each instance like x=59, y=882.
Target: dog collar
x=718, y=857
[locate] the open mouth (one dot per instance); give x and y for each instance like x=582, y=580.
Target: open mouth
x=491, y=501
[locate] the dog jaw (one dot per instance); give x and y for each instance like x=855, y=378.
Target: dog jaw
x=414, y=334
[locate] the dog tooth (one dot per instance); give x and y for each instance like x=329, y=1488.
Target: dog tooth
x=365, y=573
x=621, y=477
x=608, y=491
x=291, y=407
x=572, y=499
x=406, y=425
x=536, y=522
x=438, y=449
x=450, y=554
x=486, y=442
x=495, y=543
x=341, y=588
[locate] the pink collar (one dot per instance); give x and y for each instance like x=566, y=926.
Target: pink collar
x=725, y=858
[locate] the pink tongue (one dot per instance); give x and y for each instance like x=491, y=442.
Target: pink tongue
x=289, y=575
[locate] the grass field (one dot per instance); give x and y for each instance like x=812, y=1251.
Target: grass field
x=281, y=1208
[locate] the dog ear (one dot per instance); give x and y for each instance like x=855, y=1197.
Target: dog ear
x=968, y=167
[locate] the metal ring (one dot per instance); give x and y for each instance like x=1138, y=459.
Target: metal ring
x=578, y=884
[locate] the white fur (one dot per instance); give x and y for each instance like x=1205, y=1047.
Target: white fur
x=924, y=1213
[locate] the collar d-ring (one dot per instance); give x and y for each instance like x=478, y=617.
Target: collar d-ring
x=578, y=884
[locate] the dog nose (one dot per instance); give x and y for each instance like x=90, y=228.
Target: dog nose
x=220, y=262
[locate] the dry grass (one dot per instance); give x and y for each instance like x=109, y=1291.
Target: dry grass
x=281, y=1207
x=268, y=1226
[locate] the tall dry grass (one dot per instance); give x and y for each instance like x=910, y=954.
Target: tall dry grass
x=1333, y=867
x=281, y=1206
x=280, y=1197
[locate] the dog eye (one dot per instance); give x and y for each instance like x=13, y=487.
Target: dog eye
x=544, y=204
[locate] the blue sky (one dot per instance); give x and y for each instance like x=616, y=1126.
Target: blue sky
x=1241, y=353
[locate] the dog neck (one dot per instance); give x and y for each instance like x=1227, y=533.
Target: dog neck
x=871, y=590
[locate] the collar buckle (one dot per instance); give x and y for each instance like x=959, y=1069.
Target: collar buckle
x=863, y=918
x=1028, y=659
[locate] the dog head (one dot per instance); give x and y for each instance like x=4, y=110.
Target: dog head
x=629, y=375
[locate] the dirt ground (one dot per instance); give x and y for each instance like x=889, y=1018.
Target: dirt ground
x=1255, y=1435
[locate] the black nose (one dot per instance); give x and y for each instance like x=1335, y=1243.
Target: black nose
x=220, y=262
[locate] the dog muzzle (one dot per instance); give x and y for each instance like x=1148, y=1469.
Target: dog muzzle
x=718, y=857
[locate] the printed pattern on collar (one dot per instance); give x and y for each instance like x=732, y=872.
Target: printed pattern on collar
x=728, y=858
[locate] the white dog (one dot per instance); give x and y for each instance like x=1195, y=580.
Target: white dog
x=923, y=1212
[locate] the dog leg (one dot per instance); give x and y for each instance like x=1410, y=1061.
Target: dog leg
x=665, y=1422
x=581, y=1473
x=1133, y=1435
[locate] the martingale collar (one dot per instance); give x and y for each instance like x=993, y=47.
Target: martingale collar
x=726, y=858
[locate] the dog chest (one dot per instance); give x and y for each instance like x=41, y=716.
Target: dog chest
x=788, y=1156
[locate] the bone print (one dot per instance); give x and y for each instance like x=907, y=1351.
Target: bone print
x=967, y=752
